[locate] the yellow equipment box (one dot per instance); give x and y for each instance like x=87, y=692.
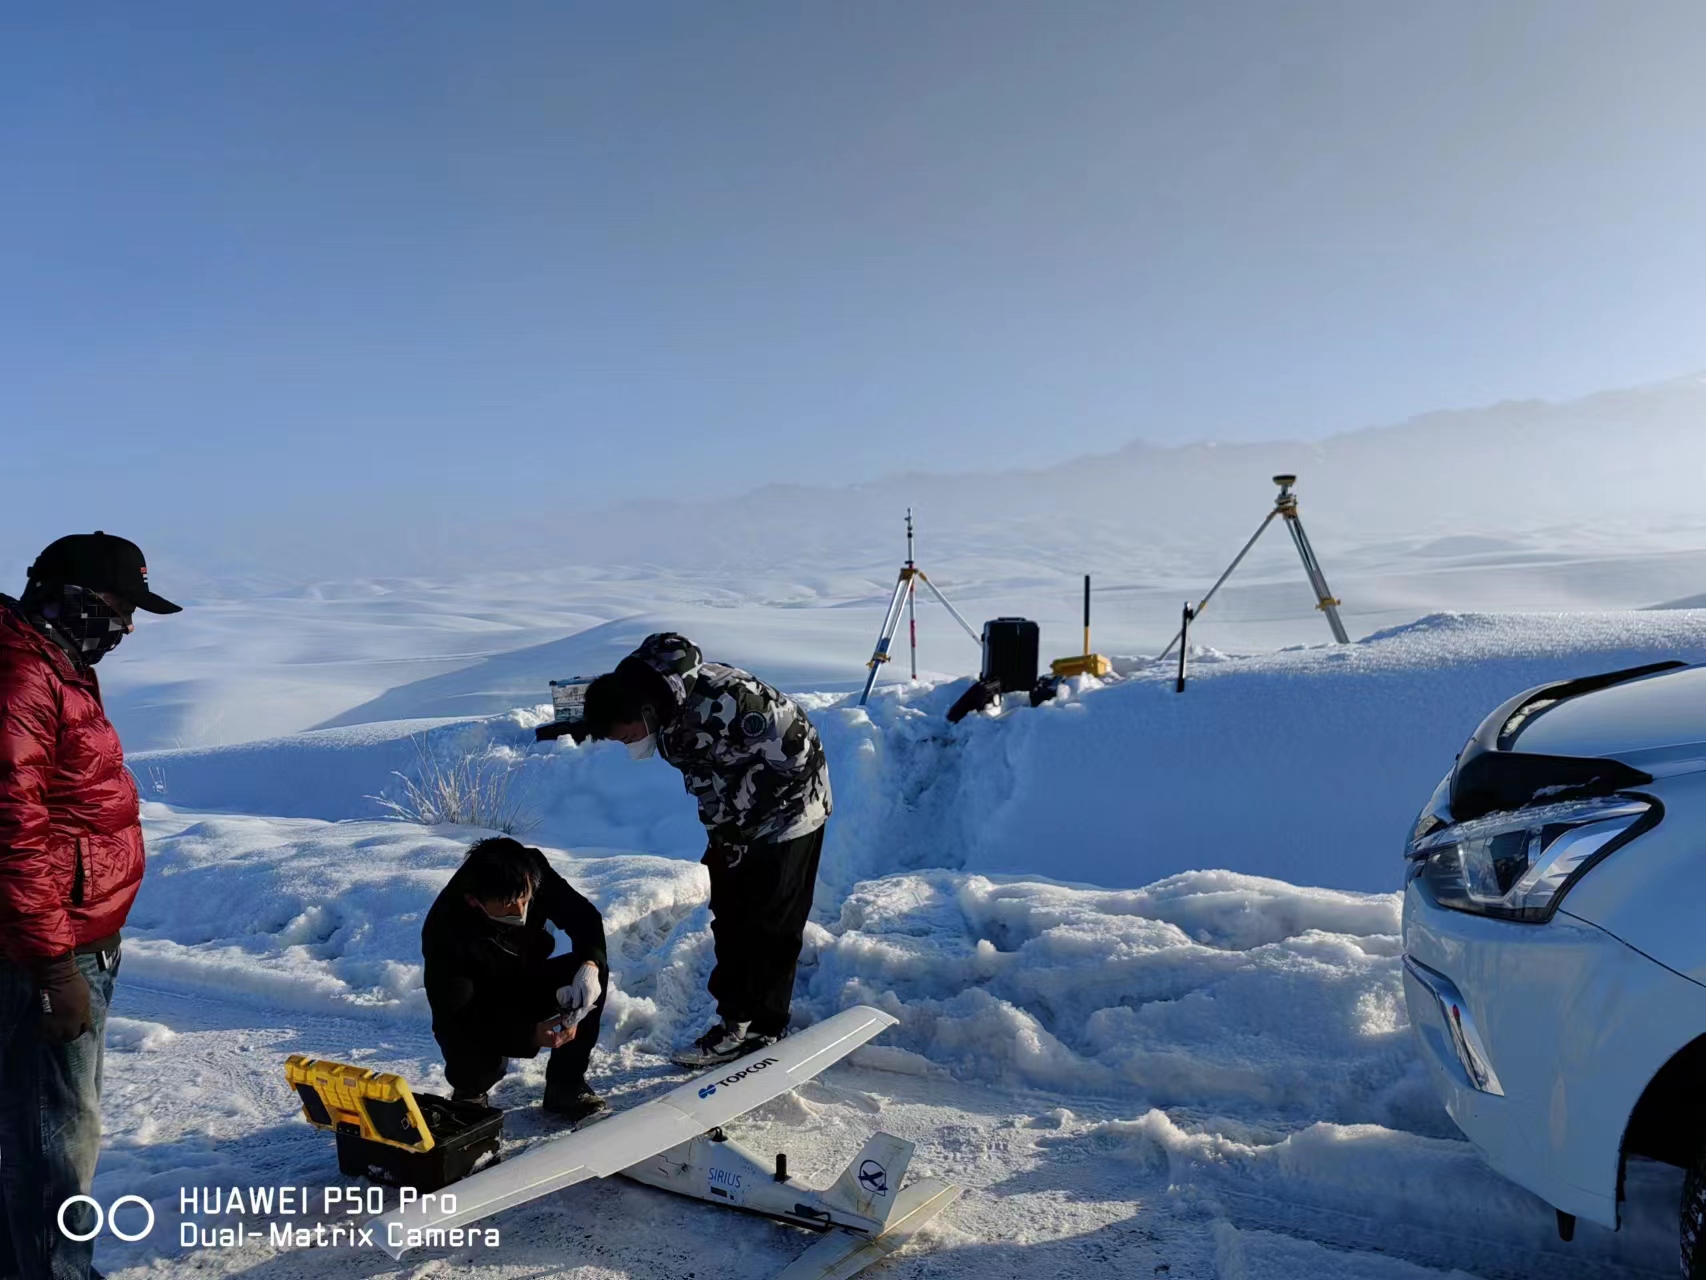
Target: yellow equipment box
x=386, y=1132
x=344, y=1099
x=1084, y=664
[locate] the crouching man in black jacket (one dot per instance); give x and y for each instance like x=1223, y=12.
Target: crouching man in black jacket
x=495, y=989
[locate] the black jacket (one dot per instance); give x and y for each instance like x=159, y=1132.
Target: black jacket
x=482, y=977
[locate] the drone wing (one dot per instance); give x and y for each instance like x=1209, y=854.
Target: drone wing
x=639, y=1133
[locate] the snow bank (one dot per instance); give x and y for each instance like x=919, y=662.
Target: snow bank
x=1365, y=1187
x=134, y=1035
x=1207, y=988
x=326, y=917
x=1306, y=765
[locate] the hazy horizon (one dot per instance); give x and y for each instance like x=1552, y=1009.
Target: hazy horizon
x=1598, y=454
x=447, y=264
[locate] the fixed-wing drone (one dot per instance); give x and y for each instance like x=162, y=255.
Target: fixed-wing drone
x=676, y=1142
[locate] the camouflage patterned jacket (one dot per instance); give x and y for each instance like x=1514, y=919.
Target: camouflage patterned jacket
x=747, y=753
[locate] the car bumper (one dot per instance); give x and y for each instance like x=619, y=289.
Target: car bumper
x=1540, y=1040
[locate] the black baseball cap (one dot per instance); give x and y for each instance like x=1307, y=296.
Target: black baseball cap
x=100, y=562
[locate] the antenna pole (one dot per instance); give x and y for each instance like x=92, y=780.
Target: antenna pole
x=912, y=596
x=1236, y=561
x=1086, y=615
x=1184, y=648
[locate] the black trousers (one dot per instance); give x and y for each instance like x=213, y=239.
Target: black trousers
x=759, y=908
x=565, y=1073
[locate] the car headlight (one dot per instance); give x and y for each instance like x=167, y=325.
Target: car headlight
x=1519, y=865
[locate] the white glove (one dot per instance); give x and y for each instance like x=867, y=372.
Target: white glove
x=576, y=999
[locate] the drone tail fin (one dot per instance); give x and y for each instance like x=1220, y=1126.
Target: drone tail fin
x=869, y=1185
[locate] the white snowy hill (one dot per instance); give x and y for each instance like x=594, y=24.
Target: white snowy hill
x=1199, y=1069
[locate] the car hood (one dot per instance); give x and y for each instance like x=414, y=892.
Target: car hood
x=1656, y=724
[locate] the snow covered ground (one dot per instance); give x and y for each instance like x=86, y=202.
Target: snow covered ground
x=1167, y=1056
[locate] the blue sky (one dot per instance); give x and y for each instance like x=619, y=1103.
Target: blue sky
x=277, y=257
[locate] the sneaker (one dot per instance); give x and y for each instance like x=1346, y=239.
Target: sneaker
x=575, y=1107
x=723, y=1043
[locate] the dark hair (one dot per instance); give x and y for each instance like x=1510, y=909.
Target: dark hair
x=627, y=695
x=498, y=869
x=609, y=702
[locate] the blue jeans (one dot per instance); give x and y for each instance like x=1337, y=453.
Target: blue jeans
x=50, y=1128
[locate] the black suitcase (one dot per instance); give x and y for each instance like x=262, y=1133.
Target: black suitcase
x=464, y=1134
x=1010, y=654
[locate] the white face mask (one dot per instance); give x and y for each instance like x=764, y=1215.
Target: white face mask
x=646, y=747
x=513, y=921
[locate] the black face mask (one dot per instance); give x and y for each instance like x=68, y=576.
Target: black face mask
x=93, y=626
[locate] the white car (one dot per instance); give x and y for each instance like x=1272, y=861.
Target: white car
x=1555, y=940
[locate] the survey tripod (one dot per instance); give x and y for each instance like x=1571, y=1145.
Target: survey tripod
x=1285, y=505
x=905, y=600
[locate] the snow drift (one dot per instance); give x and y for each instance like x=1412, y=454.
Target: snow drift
x=1306, y=765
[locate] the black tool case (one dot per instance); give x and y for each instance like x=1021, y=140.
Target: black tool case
x=464, y=1135
x=1010, y=654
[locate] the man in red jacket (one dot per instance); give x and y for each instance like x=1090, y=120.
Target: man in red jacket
x=70, y=863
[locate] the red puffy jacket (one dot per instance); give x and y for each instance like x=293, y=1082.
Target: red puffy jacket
x=70, y=840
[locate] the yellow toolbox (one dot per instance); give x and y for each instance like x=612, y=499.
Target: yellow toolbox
x=386, y=1132
x=1086, y=663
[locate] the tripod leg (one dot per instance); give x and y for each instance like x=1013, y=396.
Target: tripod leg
x=976, y=639
x=891, y=620
x=1236, y=560
x=1317, y=580
x=912, y=623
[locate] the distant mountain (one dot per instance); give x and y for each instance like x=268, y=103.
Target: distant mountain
x=1615, y=465
x=1620, y=462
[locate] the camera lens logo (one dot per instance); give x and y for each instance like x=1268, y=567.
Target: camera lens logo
x=107, y=1217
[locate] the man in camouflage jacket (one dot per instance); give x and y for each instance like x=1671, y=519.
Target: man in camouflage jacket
x=753, y=762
